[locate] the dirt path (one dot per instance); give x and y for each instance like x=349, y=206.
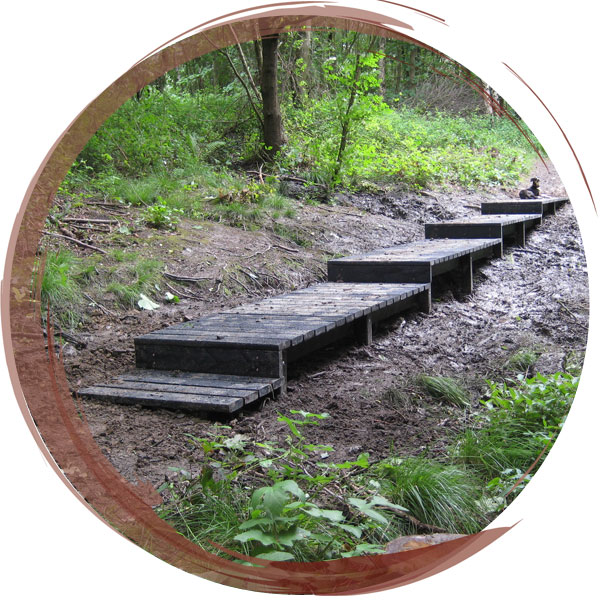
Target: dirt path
x=534, y=298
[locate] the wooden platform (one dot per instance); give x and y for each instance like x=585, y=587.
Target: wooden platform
x=417, y=262
x=540, y=206
x=223, y=362
x=485, y=226
x=198, y=392
x=259, y=339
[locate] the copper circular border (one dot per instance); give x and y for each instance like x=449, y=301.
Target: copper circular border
x=49, y=408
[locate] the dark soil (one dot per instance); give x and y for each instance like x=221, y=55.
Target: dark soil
x=535, y=298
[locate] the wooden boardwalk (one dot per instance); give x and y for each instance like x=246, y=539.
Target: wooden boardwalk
x=498, y=226
x=416, y=262
x=259, y=339
x=540, y=206
x=223, y=362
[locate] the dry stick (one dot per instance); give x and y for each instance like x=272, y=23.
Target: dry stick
x=102, y=308
x=180, y=294
x=285, y=248
x=239, y=283
x=75, y=241
x=184, y=277
x=257, y=253
x=84, y=220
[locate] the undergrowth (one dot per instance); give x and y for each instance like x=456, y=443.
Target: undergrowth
x=120, y=278
x=287, y=501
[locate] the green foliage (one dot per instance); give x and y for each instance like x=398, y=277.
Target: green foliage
x=520, y=421
x=285, y=517
x=161, y=216
x=69, y=281
x=60, y=289
x=524, y=359
x=444, y=388
x=438, y=494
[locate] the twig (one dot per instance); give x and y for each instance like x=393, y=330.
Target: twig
x=257, y=253
x=314, y=375
x=567, y=309
x=285, y=248
x=240, y=283
x=102, y=308
x=184, y=277
x=178, y=293
x=77, y=220
x=415, y=521
x=75, y=241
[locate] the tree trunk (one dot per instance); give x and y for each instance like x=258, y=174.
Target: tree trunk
x=272, y=123
x=382, y=66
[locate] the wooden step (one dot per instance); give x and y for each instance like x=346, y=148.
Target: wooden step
x=485, y=226
x=539, y=206
x=197, y=392
x=415, y=262
x=259, y=339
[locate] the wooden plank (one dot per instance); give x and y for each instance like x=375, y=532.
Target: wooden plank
x=225, y=360
x=213, y=340
x=167, y=387
x=463, y=230
x=166, y=400
x=261, y=385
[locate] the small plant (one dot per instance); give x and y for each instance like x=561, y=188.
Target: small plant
x=523, y=360
x=444, y=388
x=162, y=216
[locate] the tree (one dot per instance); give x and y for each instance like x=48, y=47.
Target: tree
x=272, y=122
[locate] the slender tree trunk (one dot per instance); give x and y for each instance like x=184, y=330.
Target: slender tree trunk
x=382, y=65
x=259, y=60
x=272, y=123
x=412, y=66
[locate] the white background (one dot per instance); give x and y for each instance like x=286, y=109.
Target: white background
x=57, y=56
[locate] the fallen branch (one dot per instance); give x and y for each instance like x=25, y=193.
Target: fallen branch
x=180, y=294
x=184, y=277
x=102, y=308
x=78, y=220
x=285, y=248
x=75, y=241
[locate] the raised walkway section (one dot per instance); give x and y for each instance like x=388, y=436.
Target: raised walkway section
x=222, y=362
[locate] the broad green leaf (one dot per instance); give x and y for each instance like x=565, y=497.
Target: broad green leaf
x=331, y=515
x=255, y=535
x=353, y=529
x=276, y=555
x=292, y=487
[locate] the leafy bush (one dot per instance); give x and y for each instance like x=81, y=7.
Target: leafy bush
x=519, y=422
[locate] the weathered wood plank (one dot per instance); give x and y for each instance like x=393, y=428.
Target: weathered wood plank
x=174, y=401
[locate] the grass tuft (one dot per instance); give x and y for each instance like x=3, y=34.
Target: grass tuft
x=444, y=388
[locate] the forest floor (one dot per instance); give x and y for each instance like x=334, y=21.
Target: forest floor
x=533, y=298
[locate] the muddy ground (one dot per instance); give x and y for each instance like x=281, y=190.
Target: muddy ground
x=535, y=298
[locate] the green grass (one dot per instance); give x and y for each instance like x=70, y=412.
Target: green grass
x=68, y=280
x=60, y=289
x=443, y=495
x=523, y=360
x=444, y=388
